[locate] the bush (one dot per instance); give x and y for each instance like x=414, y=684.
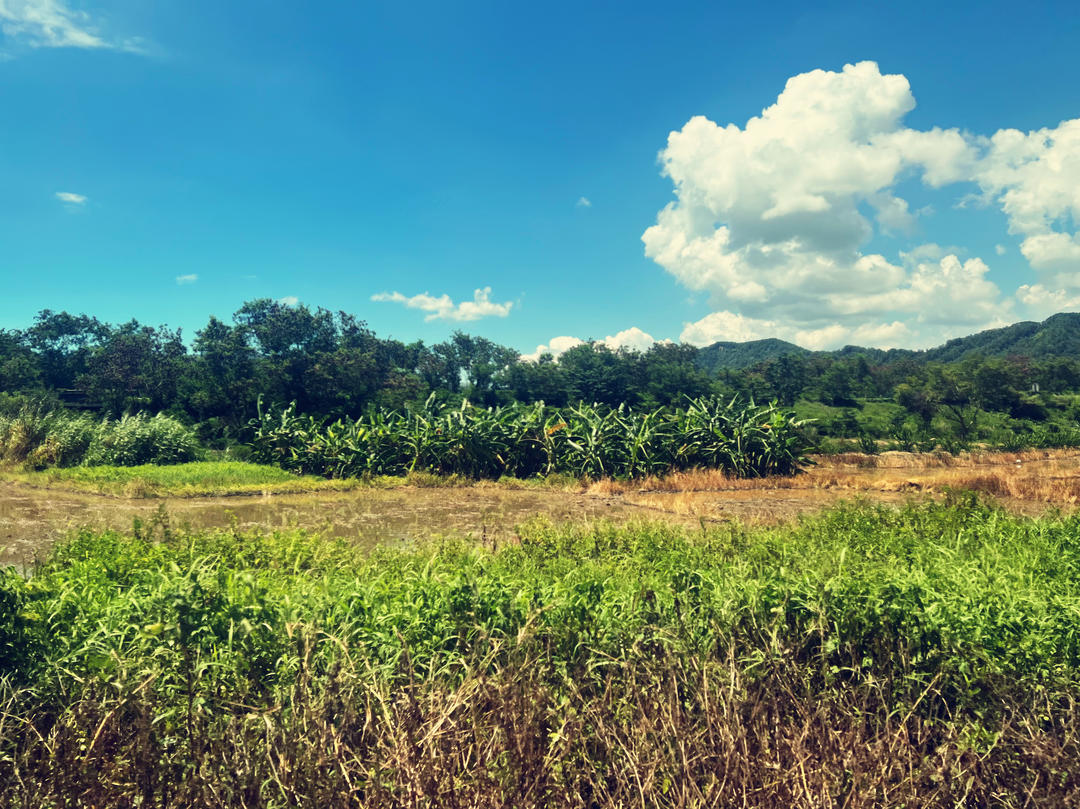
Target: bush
x=138, y=439
x=41, y=438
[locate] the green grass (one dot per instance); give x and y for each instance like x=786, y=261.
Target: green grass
x=204, y=478
x=226, y=478
x=942, y=640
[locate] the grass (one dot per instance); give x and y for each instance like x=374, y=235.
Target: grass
x=228, y=478
x=198, y=479
x=928, y=656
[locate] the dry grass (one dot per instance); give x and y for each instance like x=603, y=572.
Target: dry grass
x=1036, y=477
x=665, y=734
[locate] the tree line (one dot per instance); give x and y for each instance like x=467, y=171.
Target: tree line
x=333, y=366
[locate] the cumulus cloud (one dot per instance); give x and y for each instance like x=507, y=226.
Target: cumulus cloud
x=1041, y=302
x=190, y=278
x=443, y=308
x=584, y=202
x=289, y=300
x=52, y=24
x=556, y=347
x=735, y=328
x=68, y=196
x=772, y=219
x=632, y=339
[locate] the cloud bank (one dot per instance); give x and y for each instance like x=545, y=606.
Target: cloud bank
x=443, y=308
x=773, y=219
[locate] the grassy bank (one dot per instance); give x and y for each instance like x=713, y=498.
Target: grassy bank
x=199, y=479
x=867, y=657
x=226, y=478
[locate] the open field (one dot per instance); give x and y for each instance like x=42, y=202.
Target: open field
x=32, y=519
x=37, y=508
x=1024, y=482
x=606, y=643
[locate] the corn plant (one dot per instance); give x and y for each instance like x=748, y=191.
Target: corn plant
x=586, y=441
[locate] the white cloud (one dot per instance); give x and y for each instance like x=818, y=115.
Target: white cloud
x=728, y=327
x=736, y=328
x=1042, y=302
x=289, y=300
x=1035, y=178
x=190, y=278
x=1000, y=249
x=68, y=196
x=772, y=219
x=443, y=308
x=584, y=202
x=632, y=339
x=52, y=24
x=556, y=347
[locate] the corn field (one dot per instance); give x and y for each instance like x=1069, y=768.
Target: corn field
x=586, y=441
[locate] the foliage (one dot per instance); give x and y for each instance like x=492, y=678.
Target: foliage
x=746, y=440
x=39, y=437
x=333, y=367
x=620, y=664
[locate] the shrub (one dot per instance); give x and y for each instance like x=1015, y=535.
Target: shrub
x=139, y=439
x=40, y=438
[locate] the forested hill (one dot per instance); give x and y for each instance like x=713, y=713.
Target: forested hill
x=745, y=355
x=1057, y=336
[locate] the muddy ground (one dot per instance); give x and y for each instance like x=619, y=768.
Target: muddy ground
x=32, y=519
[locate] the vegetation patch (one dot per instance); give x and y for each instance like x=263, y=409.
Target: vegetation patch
x=201, y=478
x=867, y=657
x=38, y=436
x=740, y=439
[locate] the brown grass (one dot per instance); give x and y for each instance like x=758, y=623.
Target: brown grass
x=666, y=733
x=1037, y=477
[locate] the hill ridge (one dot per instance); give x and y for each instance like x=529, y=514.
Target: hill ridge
x=1058, y=335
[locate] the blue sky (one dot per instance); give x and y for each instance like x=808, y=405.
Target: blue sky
x=169, y=160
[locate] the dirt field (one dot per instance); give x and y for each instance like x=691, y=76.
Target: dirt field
x=32, y=519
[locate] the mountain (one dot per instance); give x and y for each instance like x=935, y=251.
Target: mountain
x=744, y=355
x=1057, y=336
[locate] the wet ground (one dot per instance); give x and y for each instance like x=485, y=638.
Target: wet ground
x=32, y=519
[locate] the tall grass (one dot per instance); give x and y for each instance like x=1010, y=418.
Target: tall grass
x=922, y=657
x=40, y=437
x=746, y=440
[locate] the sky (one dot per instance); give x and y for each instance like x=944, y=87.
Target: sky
x=541, y=174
